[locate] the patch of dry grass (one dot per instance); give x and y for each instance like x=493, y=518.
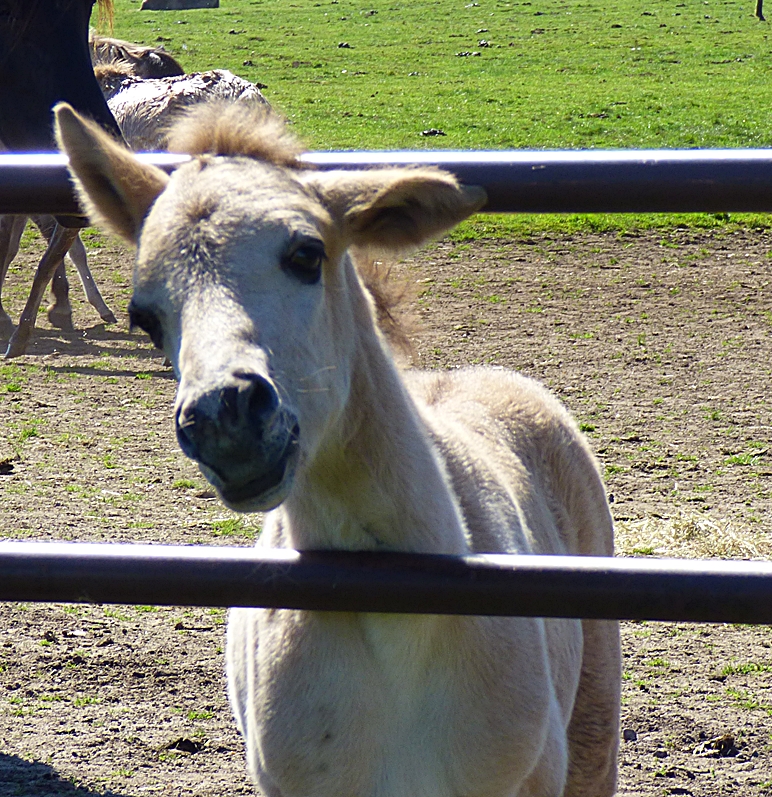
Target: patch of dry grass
x=690, y=536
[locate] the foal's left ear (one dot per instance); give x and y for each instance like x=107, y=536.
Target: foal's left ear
x=395, y=209
x=116, y=189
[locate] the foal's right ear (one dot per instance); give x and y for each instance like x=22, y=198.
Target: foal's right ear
x=116, y=189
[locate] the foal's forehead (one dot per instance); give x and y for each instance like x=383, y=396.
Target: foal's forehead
x=210, y=206
x=220, y=198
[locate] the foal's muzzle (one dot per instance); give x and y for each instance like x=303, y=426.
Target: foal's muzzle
x=243, y=437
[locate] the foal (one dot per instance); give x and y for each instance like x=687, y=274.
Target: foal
x=290, y=402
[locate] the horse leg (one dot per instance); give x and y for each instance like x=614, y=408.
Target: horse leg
x=61, y=241
x=11, y=229
x=6, y=224
x=593, y=734
x=760, y=10
x=59, y=312
x=77, y=254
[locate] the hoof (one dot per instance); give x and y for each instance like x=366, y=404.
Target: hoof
x=17, y=345
x=61, y=319
x=109, y=317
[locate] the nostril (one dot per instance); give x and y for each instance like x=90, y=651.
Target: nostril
x=229, y=403
x=262, y=396
x=185, y=427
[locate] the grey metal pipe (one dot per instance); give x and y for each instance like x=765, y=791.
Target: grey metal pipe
x=596, y=181
x=40, y=183
x=586, y=181
x=483, y=584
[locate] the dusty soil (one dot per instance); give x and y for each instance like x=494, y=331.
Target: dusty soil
x=659, y=344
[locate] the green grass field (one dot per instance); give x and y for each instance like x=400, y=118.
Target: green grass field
x=492, y=75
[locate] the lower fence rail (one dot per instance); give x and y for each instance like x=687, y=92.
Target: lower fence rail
x=480, y=584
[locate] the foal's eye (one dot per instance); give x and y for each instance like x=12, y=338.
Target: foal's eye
x=305, y=262
x=147, y=322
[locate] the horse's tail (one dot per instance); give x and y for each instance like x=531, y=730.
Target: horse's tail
x=106, y=14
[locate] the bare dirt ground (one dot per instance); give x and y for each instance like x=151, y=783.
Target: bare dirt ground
x=659, y=343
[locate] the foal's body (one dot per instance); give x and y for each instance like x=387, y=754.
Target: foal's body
x=290, y=401
x=391, y=706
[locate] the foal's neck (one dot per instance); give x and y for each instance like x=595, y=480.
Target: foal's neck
x=378, y=482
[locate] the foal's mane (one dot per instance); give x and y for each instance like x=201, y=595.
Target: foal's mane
x=391, y=297
x=232, y=129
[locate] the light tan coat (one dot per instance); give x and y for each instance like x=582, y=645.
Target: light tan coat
x=290, y=401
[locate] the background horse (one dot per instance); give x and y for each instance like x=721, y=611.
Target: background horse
x=44, y=59
x=144, y=108
x=115, y=56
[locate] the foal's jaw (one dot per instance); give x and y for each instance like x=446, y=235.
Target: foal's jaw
x=253, y=476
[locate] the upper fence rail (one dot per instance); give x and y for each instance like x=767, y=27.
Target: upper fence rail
x=517, y=181
x=480, y=584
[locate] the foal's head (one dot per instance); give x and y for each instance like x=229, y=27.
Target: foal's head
x=243, y=277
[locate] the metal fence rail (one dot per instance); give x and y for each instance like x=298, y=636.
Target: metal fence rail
x=588, y=181
x=483, y=584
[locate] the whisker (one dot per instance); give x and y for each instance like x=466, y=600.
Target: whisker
x=317, y=372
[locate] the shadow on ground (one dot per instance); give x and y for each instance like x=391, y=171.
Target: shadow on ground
x=20, y=778
x=97, y=341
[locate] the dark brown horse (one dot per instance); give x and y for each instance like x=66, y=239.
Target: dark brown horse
x=44, y=59
x=109, y=56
